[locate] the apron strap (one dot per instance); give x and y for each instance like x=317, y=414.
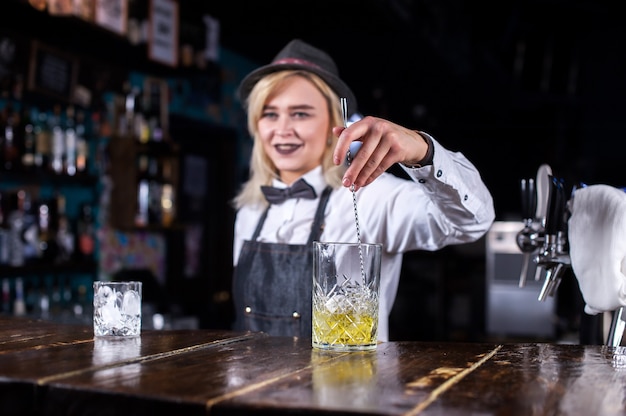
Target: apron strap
x=318, y=222
x=259, y=225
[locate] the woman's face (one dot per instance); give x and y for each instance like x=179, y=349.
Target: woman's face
x=294, y=127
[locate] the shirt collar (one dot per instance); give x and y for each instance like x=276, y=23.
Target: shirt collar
x=314, y=177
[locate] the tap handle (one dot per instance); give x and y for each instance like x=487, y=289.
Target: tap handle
x=562, y=208
x=551, y=219
x=524, y=198
x=532, y=198
x=529, y=199
x=543, y=190
x=556, y=207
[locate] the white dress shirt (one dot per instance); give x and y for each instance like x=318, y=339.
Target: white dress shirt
x=445, y=203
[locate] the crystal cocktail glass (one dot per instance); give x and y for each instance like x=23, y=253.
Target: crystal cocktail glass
x=346, y=281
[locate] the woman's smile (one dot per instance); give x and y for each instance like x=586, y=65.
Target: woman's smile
x=287, y=149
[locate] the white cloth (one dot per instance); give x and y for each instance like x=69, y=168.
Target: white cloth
x=597, y=239
x=446, y=203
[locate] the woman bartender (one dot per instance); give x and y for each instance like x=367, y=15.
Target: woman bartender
x=299, y=191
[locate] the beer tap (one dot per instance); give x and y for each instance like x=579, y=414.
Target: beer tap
x=534, y=207
x=547, y=235
x=544, y=173
x=554, y=257
x=527, y=237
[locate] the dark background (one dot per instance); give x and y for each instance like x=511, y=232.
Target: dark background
x=510, y=84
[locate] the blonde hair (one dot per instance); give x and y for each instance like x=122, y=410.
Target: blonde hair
x=262, y=170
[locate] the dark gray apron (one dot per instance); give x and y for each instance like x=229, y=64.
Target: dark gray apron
x=272, y=282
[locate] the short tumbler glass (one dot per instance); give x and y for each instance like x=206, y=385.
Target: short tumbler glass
x=116, y=308
x=346, y=282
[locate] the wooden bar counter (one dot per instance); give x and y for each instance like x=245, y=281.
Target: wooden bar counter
x=53, y=369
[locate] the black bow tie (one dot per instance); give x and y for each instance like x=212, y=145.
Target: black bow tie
x=300, y=189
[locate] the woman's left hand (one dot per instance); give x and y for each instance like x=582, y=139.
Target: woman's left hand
x=384, y=143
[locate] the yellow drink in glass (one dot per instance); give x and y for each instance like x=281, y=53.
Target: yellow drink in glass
x=344, y=329
x=346, y=279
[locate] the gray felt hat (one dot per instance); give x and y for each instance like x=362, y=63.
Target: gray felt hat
x=300, y=55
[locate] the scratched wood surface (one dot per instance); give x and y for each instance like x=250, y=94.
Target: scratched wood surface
x=60, y=370
x=542, y=379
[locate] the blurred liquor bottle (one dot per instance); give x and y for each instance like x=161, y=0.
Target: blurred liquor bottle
x=40, y=5
x=9, y=120
x=4, y=228
x=85, y=234
x=138, y=22
x=47, y=227
x=30, y=231
x=69, y=154
x=60, y=7
x=155, y=189
x=27, y=131
x=19, y=305
x=82, y=147
x=15, y=221
x=43, y=141
x=58, y=140
x=168, y=194
x=143, y=189
x=153, y=96
x=65, y=237
x=6, y=296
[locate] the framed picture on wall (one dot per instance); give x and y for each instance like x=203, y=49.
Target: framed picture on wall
x=112, y=15
x=163, y=32
x=52, y=71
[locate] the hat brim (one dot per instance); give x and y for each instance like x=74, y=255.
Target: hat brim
x=340, y=87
